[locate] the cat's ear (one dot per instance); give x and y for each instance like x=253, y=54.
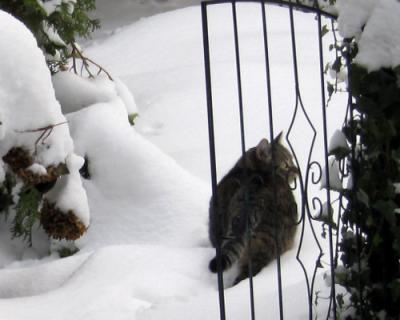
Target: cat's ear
x=262, y=149
x=278, y=138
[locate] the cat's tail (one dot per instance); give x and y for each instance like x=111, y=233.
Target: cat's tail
x=230, y=253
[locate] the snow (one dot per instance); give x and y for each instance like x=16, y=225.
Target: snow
x=17, y=111
x=353, y=16
x=146, y=251
x=331, y=179
x=113, y=16
x=338, y=141
x=53, y=35
x=75, y=92
x=68, y=193
x=31, y=115
x=138, y=192
x=37, y=168
x=50, y=6
x=376, y=26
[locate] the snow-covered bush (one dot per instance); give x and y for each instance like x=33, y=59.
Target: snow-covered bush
x=55, y=24
x=370, y=244
x=35, y=143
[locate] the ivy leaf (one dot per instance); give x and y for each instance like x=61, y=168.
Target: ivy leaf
x=387, y=209
x=324, y=30
x=376, y=240
x=27, y=213
x=132, y=118
x=362, y=196
x=340, y=300
x=396, y=245
x=395, y=288
x=337, y=65
x=331, y=89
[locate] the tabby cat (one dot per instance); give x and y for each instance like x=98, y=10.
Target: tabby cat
x=245, y=205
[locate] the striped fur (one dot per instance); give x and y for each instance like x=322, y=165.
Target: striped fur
x=245, y=206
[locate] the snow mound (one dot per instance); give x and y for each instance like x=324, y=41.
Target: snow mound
x=376, y=26
x=136, y=193
x=27, y=101
x=75, y=92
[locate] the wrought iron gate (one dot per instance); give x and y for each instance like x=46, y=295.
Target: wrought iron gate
x=319, y=211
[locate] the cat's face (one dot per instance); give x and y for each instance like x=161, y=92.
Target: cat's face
x=283, y=159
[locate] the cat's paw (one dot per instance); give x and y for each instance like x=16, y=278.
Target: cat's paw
x=213, y=266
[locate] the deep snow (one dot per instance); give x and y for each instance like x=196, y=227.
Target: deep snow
x=146, y=252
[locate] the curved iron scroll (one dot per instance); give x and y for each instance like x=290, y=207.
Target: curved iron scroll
x=317, y=213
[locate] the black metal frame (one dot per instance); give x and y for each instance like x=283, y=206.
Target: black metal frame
x=303, y=182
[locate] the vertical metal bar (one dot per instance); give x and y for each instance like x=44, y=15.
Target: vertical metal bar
x=207, y=66
x=296, y=79
x=271, y=127
x=238, y=75
x=243, y=144
x=328, y=192
x=294, y=49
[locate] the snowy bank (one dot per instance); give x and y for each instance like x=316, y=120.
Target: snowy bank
x=376, y=27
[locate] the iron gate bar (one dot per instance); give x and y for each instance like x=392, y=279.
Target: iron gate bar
x=305, y=206
x=328, y=189
x=296, y=4
x=243, y=145
x=306, y=215
x=212, y=154
x=271, y=129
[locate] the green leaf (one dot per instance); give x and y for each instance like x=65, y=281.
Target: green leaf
x=26, y=213
x=331, y=89
x=362, y=196
x=387, y=209
x=324, y=30
x=132, y=117
x=337, y=64
x=340, y=300
x=65, y=252
x=395, y=288
x=377, y=241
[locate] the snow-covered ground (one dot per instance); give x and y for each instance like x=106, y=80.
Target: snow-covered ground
x=116, y=14
x=146, y=252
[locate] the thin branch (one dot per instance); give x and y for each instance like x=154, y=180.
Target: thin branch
x=76, y=53
x=47, y=130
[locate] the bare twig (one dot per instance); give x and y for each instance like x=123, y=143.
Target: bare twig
x=76, y=53
x=45, y=134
